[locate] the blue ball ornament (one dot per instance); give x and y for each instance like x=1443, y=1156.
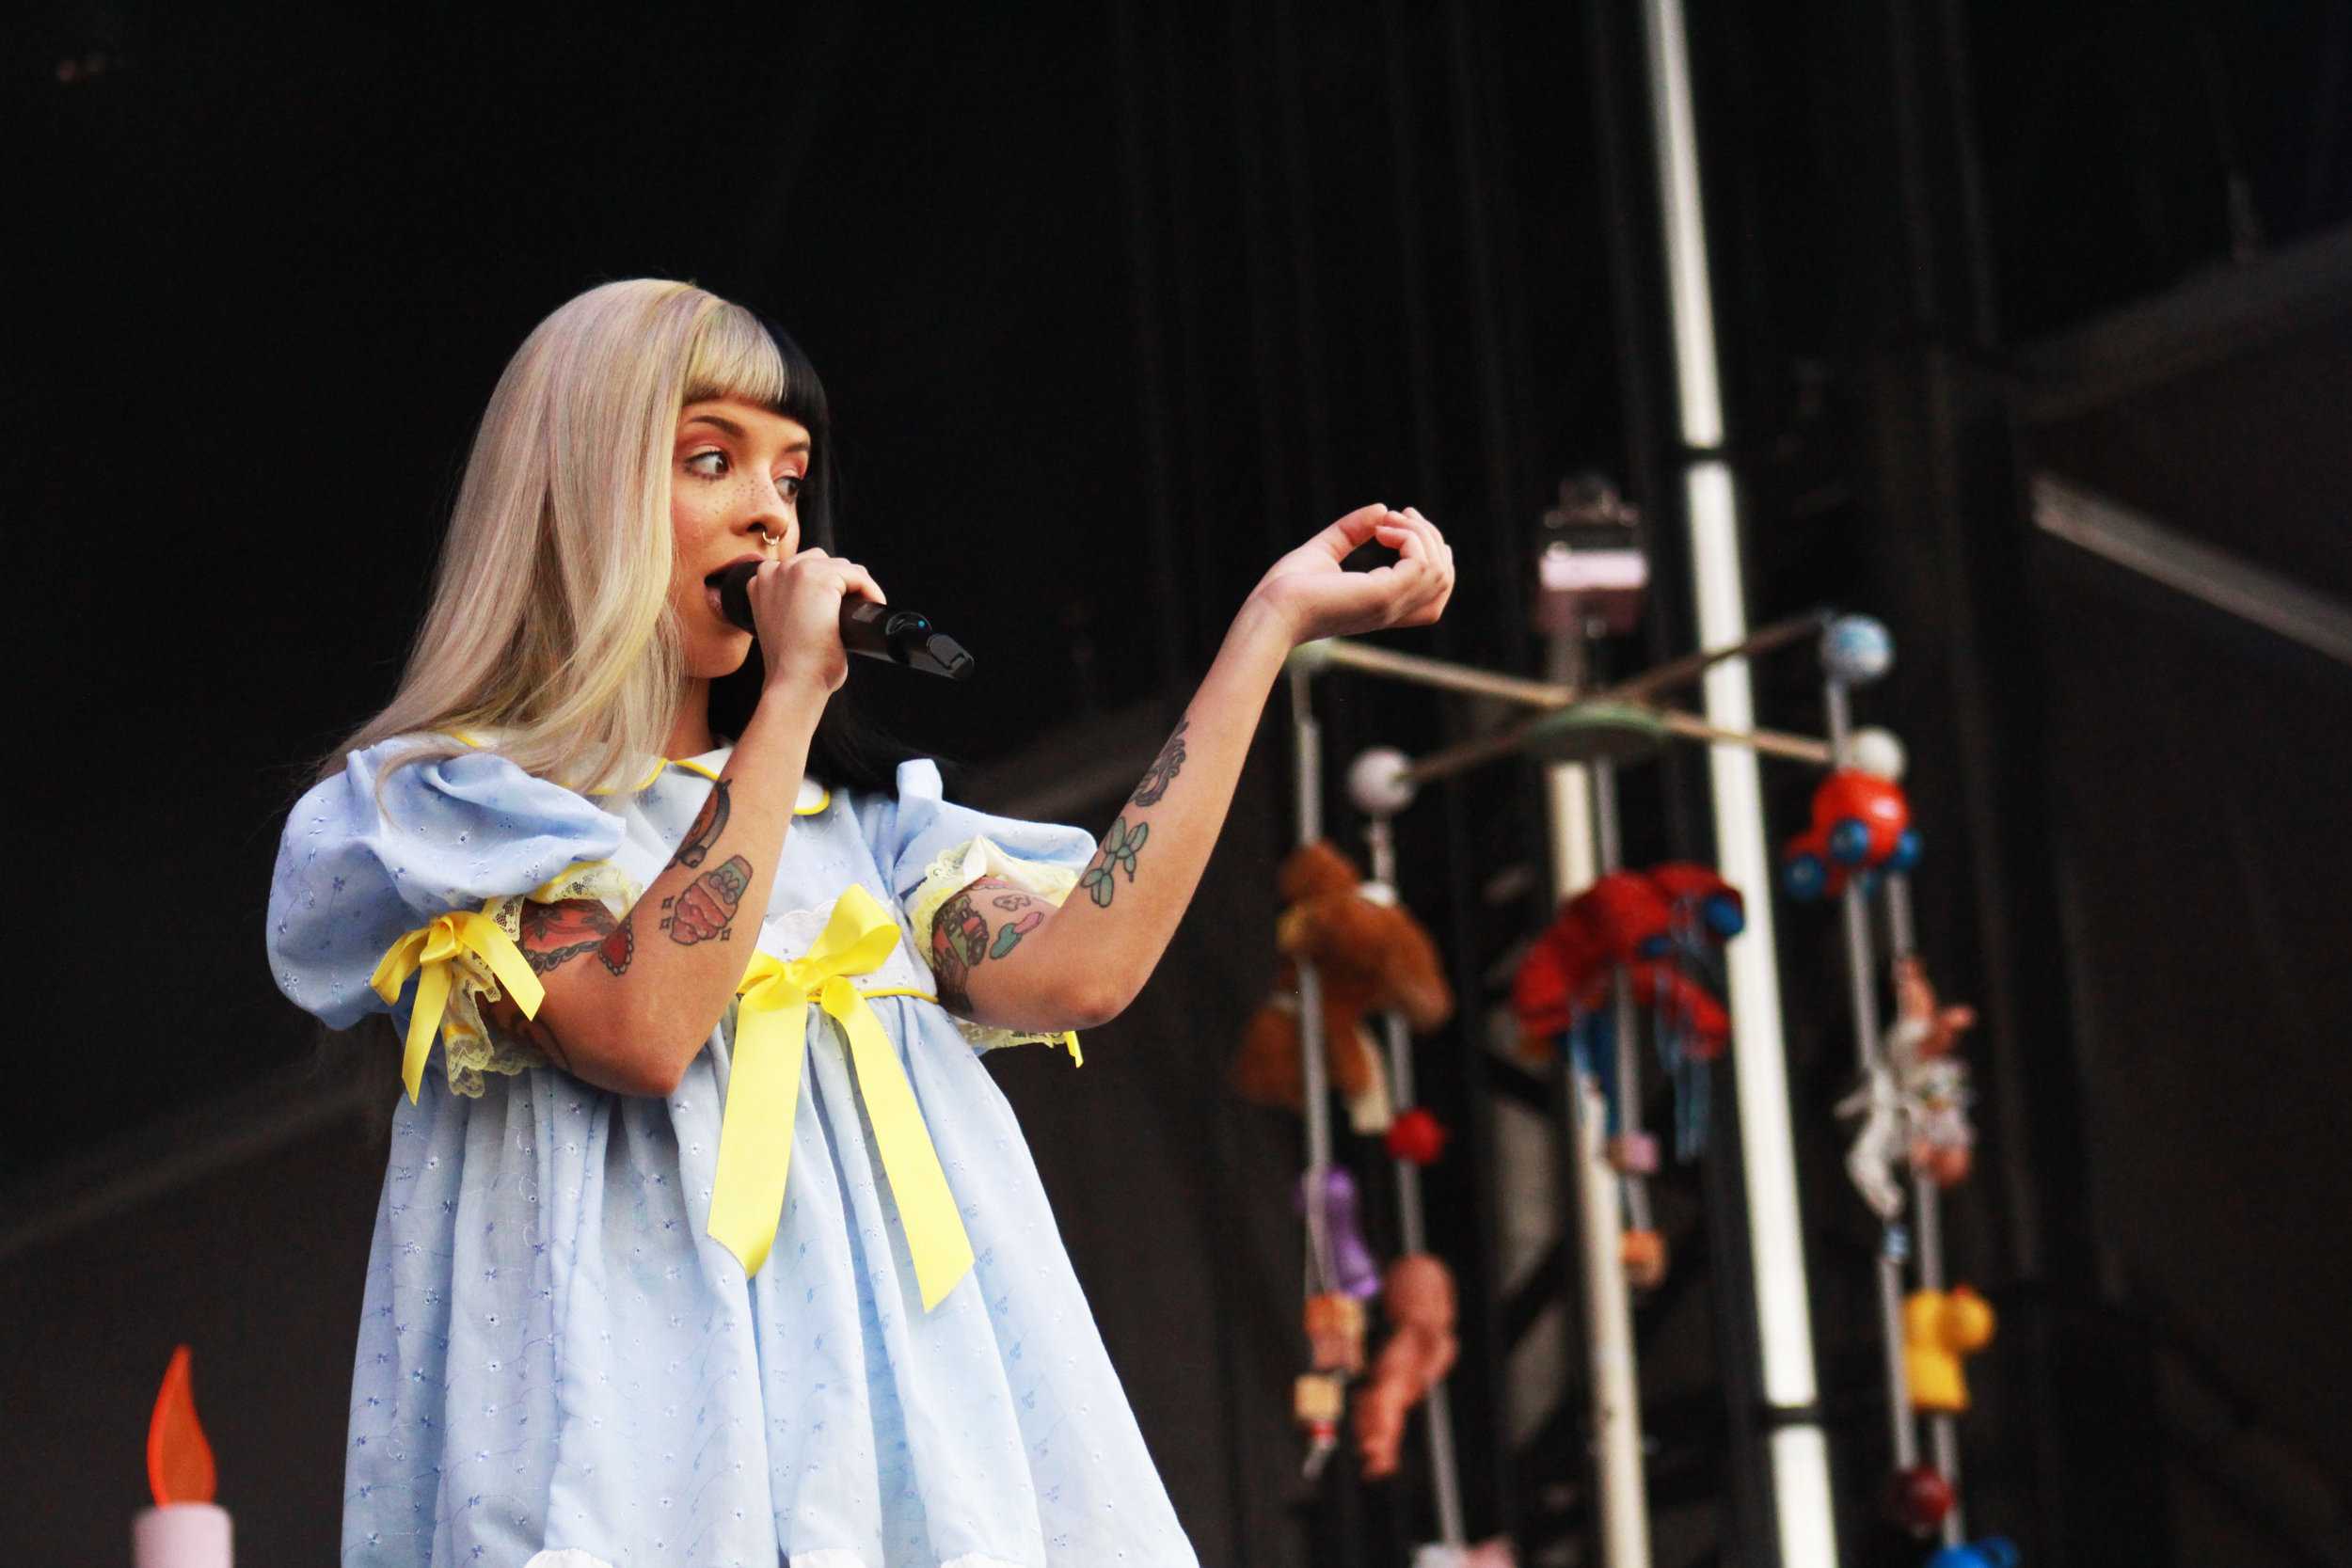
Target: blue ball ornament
x=1856, y=649
x=1803, y=876
x=1724, y=917
x=1849, y=840
x=1906, y=855
x=1994, y=1551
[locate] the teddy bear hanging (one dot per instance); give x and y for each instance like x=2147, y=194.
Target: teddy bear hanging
x=1370, y=956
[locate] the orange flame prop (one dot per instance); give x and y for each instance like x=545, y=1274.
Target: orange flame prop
x=178, y=1460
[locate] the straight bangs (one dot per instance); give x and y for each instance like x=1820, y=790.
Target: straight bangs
x=734, y=356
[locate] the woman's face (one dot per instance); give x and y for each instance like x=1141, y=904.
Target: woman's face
x=736, y=474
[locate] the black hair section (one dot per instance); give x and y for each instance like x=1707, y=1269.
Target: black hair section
x=850, y=749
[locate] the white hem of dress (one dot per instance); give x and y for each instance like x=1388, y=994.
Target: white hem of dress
x=833, y=1557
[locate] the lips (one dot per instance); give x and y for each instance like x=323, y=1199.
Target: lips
x=710, y=586
x=711, y=579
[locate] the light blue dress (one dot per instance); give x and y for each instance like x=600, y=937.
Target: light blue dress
x=552, y=1354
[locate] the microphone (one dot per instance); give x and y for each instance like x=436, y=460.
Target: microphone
x=900, y=636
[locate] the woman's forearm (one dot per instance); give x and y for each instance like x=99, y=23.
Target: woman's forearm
x=629, y=1001
x=999, y=963
x=1088, y=960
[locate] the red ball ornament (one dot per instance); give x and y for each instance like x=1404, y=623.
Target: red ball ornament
x=1919, y=1497
x=1417, y=1137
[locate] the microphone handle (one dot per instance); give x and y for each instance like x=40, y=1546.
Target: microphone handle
x=902, y=637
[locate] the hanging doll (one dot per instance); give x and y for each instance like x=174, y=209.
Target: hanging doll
x=1648, y=925
x=1419, y=1352
x=1370, y=956
x=1914, y=1106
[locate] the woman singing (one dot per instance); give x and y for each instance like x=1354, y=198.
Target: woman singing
x=706, y=1239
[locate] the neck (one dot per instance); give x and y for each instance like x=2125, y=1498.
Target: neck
x=690, y=735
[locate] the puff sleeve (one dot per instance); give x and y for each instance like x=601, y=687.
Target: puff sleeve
x=471, y=833
x=933, y=848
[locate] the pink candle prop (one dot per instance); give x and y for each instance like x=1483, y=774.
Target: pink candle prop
x=184, y=1529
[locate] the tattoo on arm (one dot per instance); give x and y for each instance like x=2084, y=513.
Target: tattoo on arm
x=552, y=935
x=705, y=830
x=1164, y=769
x=555, y=934
x=706, y=911
x=1119, y=848
x=961, y=938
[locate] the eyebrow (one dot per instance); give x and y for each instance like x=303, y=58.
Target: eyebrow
x=737, y=431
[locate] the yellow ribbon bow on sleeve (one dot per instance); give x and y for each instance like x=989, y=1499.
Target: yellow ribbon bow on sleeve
x=764, y=1092
x=461, y=939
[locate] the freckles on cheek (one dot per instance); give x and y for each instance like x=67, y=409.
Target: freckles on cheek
x=698, y=532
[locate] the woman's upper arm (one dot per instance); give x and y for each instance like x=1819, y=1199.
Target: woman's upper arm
x=579, y=949
x=986, y=972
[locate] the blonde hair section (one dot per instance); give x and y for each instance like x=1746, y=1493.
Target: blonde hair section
x=551, y=624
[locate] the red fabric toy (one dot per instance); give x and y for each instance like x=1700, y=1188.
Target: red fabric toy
x=1632, y=918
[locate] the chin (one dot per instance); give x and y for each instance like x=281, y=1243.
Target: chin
x=718, y=658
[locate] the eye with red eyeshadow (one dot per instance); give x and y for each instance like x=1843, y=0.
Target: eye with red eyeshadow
x=787, y=484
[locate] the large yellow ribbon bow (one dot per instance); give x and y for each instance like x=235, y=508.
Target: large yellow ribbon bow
x=764, y=1092
x=440, y=950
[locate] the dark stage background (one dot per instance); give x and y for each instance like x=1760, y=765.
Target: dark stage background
x=1115, y=306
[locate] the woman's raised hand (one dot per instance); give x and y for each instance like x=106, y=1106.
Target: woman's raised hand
x=1315, y=598
x=796, y=607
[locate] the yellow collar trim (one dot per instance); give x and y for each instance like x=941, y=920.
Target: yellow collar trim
x=802, y=807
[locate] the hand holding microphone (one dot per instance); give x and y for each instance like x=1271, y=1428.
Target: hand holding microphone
x=810, y=611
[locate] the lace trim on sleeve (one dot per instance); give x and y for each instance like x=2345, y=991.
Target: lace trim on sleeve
x=469, y=1046
x=949, y=874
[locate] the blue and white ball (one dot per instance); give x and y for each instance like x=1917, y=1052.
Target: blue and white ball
x=1376, y=781
x=1856, y=649
x=1877, y=753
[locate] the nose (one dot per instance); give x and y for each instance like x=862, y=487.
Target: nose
x=770, y=523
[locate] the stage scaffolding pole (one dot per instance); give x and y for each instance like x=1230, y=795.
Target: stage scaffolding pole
x=1798, y=1450
x=1307, y=751
x=1445, y=1477
x=1927, y=1211
x=1871, y=1067
x=1581, y=827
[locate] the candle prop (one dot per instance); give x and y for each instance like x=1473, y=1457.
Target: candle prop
x=185, y=1529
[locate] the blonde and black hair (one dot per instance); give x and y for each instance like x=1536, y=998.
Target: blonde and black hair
x=550, y=622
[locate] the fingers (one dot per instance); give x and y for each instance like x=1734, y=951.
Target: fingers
x=1351, y=532
x=846, y=575
x=1441, y=557
x=1423, y=573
